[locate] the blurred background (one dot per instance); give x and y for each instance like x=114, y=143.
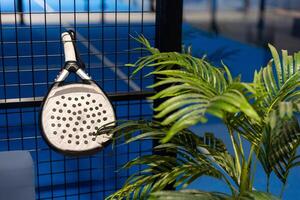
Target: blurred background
x=253, y=22
x=238, y=32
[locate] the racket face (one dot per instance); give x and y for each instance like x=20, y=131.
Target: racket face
x=71, y=115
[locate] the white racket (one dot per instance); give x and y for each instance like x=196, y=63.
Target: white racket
x=72, y=113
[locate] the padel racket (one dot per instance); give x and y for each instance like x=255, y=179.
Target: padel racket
x=72, y=112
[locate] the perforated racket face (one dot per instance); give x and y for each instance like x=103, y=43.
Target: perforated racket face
x=72, y=114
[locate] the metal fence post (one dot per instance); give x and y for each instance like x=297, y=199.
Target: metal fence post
x=168, y=39
x=168, y=28
x=168, y=25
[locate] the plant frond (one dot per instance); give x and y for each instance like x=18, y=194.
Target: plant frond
x=279, y=80
x=189, y=164
x=195, y=89
x=280, y=142
x=188, y=195
x=200, y=195
x=257, y=195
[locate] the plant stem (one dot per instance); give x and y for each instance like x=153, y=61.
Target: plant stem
x=253, y=171
x=282, y=190
x=241, y=143
x=232, y=188
x=234, y=145
x=268, y=183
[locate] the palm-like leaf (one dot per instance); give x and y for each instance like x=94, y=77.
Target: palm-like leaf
x=200, y=195
x=278, y=99
x=279, y=80
x=197, y=88
x=188, y=195
x=280, y=142
x=161, y=170
x=257, y=195
x=263, y=112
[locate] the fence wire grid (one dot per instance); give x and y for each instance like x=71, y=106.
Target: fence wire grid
x=31, y=56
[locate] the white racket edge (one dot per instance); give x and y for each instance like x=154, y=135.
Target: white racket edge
x=69, y=49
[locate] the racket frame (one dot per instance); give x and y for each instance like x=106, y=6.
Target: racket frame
x=72, y=66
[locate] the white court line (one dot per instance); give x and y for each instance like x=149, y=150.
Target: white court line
x=95, y=51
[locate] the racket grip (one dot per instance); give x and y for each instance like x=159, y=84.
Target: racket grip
x=69, y=48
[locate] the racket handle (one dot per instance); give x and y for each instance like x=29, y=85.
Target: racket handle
x=69, y=48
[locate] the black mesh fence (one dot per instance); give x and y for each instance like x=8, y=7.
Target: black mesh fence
x=31, y=56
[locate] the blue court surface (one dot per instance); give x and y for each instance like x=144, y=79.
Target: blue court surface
x=31, y=57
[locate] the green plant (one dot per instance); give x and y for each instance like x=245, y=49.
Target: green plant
x=262, y=113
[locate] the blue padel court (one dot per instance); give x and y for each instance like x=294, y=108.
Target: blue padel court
x=31, y=56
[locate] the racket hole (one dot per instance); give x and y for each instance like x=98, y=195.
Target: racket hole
x=94, y=115
x=76, y=123
x=52, y=125
x=57, y=102
x=88, y=95
x=58, y=117
x=60, y=110
x=96, y=108
x=79, y=112
x=87, y=103
x=94, y=139
x=74, y=113
x=94, y=101
x=70, y=135
x=88, y=127
x=104, y=111
x=70, y=118
x=69, y=141
x=98, y=120
x=88, y=116
x=59, y=125
x=64, y=131
x=52, y=117
x=77, y=142
x=84, y=136
x=91, y=109
x=64, y=119
x=99, y=113
x=92, y=121
x=85, y=110
x=79, y=104
x=69, y=111
x=62, y=137
x=74, y=129
x=54, y=132
x=90, y=134
x=84, y=122
x=69, y=98
x=96, y=128
x=86, y=142
x=63, y=97
x=67, y=125
x=100, y=105
x=74, y=105
x=104, y=118
x=65, y=105
x=78, y=118
x=77, y=136
x=54, y=110
x=76, y=99
x=82, y=97
x=81, y=129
